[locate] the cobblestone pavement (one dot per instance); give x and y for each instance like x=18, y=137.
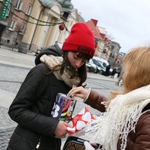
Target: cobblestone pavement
x=11, y=78
x=6, y=128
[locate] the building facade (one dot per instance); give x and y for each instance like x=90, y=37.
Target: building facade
x=36, y=24
x=103, y=48
x=51, y=24
x=113, y=57
x=14, y=16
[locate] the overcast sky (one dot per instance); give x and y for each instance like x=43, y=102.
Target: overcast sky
x=127, y=22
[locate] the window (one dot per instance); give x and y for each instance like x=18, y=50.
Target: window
x=19, y=5
x=28, y=10
x=22, y=29
x=112, y=47
x=12, y=25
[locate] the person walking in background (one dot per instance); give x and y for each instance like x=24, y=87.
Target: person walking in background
x=119, y=82
x=125, y=123
x=107, y=72
x=113, y=72
x=119, y=76
x=56, y=71
x=119, y=71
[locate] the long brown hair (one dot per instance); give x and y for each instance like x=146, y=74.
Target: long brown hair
x=82, y=71
x=136, y=70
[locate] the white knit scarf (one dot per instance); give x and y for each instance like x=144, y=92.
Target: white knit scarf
x=52, y=61
x=120, y=118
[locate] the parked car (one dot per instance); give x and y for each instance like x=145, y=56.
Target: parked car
x=91, y=66
x=100, y=67
x=102, y=63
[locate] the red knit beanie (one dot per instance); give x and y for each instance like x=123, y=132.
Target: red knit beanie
x=81, y=39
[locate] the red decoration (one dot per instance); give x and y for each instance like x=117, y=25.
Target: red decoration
x=113, y=56
x=104, y=51
x=80, y=121
x=61, y=27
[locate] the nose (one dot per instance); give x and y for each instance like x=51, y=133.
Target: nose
x=78, y=64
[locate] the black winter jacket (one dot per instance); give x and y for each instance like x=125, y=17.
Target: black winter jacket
x=31, y=109
x=52, y=50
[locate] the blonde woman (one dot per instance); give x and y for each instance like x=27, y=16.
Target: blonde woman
x=125, y=124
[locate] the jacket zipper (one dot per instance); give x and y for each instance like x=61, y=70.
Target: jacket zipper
x=38, y=144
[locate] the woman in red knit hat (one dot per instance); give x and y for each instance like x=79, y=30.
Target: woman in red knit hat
x=56, y=71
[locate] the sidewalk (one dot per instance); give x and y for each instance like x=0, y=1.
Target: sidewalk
x=9, y=57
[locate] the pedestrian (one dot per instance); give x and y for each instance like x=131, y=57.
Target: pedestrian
x=125, y=124
x=119, y=71
x=119, y=76
x=107, y=72
x=113, y=72
x=56, y=71
x=119, y=82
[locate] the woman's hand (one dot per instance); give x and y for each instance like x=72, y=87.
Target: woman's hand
x=79, y=92
x=61, y=129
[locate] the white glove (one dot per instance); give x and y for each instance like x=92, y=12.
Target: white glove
x=88, y=146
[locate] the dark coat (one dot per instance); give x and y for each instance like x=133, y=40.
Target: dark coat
x=51, y=50
x=31, y=109
x=136, y=140
x=95, y=99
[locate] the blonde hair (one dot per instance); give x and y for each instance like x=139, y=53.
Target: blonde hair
x=136, y=70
